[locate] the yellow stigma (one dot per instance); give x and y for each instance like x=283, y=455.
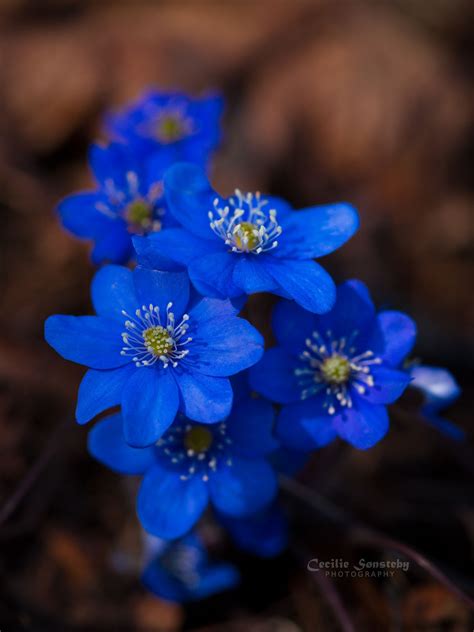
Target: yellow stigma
x=198, y=439
x=170, y=128
x=158, y=341
x=246, y=237
x=336, y=369
x=139, y=212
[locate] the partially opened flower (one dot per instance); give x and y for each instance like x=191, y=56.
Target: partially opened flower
x=194, y=464
x=152, y=351
x=187, y=128
x=439, y=389
x=181, y=571
x=335, y=374
x=249, y=242
x=128, y=201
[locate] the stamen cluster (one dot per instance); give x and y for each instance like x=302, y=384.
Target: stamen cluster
x=149, y=340
x=333, y=366
x=184, y=447
x=244, y=225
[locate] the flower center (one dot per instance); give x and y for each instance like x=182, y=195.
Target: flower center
x=336, y=369
x=139, y=213
x=244, y=224
x=198, y=439
x=151, y=336
x=172, y=126
x=333, y=367
x=158, y=341
x=246, y=237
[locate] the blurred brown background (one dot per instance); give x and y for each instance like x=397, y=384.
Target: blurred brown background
x=371, y=102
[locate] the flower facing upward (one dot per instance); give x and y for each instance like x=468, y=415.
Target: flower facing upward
x=152, y=351
x=334, y=374
x=181, y=571
x=193, y=464
x=128, y=201
x=186, y=128
x=249, y=242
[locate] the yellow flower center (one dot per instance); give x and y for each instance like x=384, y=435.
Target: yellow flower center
x=198, y=439
x=246, y=237
x=336, y=369
x=139, y=212
x=158, y=341
x=170, y=128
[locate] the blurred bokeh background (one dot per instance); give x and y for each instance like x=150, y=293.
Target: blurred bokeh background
x=369, y=102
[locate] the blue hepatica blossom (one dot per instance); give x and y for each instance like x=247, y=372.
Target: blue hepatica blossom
x=186, y=128
x=194, y=464
x=439, y=389
x=152, y=351
x=264, y=534
x=181, y=571
x=335, y=374
x=249, y=242
x=128, y=200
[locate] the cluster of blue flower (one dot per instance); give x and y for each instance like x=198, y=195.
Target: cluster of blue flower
x=196, y=390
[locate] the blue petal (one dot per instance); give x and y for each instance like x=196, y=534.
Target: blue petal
x=111, y=165
x=160, y=288
x=205, y=399
x=215, y=578
x=264, y=534
x=207, y=309
x=168, y=506
x=212, y=275
x=243, y=488
x=107, y=444
x=190, y=197
x=79, y=215
x=251, y=276
x=274, y=377
x=305, y=426
x=112, y=291
x=223, y=346
x=90, y=340
x=353, y=311
x=113, y=244
x=363, y=425
x=176, y=244
x=389, y=384
x=100, y=390
x=437, y=384
x=305, y=281
x=316, y=231
x=292, y=325
x=398, y=332
x=443, y=425
x=149, y=405
x=250, y=427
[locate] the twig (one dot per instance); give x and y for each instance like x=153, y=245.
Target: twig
x=331, y=594
x=31, y=475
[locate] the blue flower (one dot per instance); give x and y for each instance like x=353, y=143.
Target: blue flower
x=264, y=534
x=440, y=389
x=181, y=571
x=194, y=464
x=152, y=351
x=249, y=243
x=128, y=200
x=186, y=128
x=335, y=374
